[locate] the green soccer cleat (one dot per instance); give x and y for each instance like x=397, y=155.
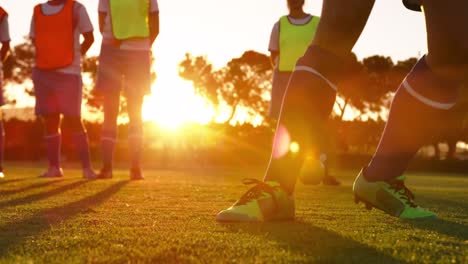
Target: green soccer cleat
x=266, y=201
x=393, y=198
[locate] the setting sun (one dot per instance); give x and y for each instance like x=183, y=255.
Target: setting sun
x=174, y=103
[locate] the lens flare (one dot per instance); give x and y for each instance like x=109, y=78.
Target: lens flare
x=294, y=147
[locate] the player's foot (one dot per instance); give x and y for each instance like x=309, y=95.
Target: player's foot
x=52, y=172
x=266, y=201
x=312, y=172
x=392, y=197
x=88, y=173
x=136, y=174
x=330, y=181
x=104, y=174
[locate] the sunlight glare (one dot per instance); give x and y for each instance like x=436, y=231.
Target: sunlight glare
x=174, y=103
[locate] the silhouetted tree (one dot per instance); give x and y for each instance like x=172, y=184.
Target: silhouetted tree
x=242, y=82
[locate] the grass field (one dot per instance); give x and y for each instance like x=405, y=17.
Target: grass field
x=169, y=218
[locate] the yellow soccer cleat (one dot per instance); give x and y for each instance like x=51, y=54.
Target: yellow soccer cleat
x=266, y=201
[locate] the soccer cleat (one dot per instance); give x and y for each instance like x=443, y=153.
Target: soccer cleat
x=104, y=174
x=136, y=174
x=88, y=173
x=52, y=172
x=312, y=172
x=330, y=181
x=266, y=201
x=392, y=197
x=315, y=171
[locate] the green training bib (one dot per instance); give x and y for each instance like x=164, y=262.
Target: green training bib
x=129, y=18
x=294, y=41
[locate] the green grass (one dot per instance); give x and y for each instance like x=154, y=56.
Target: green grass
x=169, y=218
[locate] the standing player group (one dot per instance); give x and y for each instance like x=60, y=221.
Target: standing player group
x=129, y=28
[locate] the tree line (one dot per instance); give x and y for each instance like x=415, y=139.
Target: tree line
x=245, y=82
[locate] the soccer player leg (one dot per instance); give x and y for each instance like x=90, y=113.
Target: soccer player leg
x=420, y=107
x=2, y=142
x=80, y=139
x=135, y=136
x=137, y=85
x=70, y=97
x=53, y=139
x=416, y=117
x=307, y=104
x=47, y=108
x=2, y=129
x=109, y=132
x=108, y=86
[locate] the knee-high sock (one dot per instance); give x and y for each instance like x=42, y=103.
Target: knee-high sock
x=82, y=146
x=306, y=107
x=53, y=149
x=2, y=144
x=135, y=143
x=417, y=115
x=108, y=141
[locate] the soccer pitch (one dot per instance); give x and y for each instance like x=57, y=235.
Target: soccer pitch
x=169, y=218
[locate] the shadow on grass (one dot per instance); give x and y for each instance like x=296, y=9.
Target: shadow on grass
x=2, y=182
x=15, y=233
x=443, y=227
x=30, y=187
x=444, y=203
x=44, y=195
x=314, y=243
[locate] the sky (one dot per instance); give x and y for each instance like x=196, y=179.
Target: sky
x=224, y=29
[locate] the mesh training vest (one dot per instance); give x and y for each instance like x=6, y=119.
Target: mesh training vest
x=294, y=41
x=129, y=18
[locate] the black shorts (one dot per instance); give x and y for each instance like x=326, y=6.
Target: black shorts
x=414, y=5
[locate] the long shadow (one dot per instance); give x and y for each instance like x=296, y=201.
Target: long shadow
x=315, y=243
x=16, y=232
x=44, y=195
x=30, y=187
x=444, y=227
x=2, y=182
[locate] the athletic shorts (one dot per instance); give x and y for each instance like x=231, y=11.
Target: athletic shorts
x=128, y=70
x=278, y=90
x=57, y=93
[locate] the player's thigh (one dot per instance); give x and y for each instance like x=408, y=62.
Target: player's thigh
x=447, y=33
x=341, y=24
x=137, y=73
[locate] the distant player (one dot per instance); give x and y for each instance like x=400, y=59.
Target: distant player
x=129, y=29
x=4, y=51
x=417, y=114
x=290, y=37
x=56, y=28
